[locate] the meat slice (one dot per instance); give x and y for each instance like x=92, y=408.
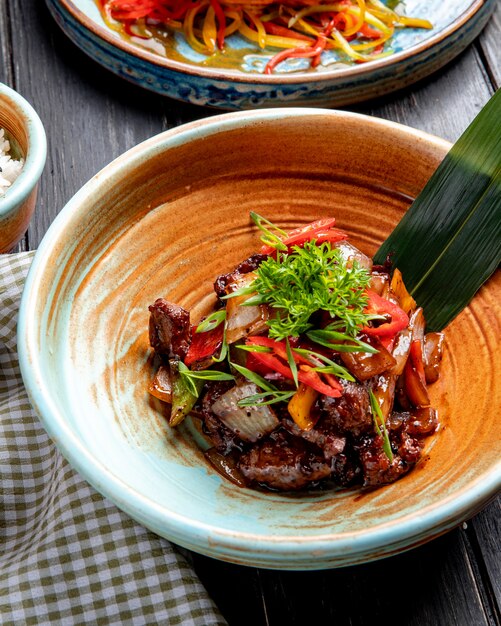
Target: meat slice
x=326, y=439
x=346, y=469
x=169, y=329
x=377, y=468
x=249, y=265
x=350, y=413
x=284, y=462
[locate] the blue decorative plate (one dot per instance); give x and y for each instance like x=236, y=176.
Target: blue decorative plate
x=185, y=75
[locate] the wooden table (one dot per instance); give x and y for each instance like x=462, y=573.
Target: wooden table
x=90, y=118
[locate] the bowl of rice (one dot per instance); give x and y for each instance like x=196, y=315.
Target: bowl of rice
x=23, y=149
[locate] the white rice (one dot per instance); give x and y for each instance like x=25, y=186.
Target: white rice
x=9, y=168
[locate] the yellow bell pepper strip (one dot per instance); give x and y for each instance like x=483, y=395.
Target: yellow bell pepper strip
x=405, y=300
x=300, y=406
x=221, y=23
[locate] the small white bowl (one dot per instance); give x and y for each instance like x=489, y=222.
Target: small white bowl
x=25, y=131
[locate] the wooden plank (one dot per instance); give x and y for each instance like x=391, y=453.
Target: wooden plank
x=432, y=585
x=5, y=45
x=485, y=531
x=490, y=46
x=235, y=589
x=437, y=584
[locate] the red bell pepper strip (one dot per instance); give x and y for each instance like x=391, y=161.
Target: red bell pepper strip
x=323, y=224
x=221, y=22
x=303, y=52
x=306, y=374
x=137, y=9
x=204, y=345
x=278, y=347
x=344, y=21
x=414, y=376
x=309, y=377
x=128, y=10
x=321, y=230
x=282, y=31
x=388, y=342
x=370, y=33
x=416, y=356
x=380, y=306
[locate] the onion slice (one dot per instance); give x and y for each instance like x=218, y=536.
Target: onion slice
x=432, y=355
x=226, y=466
x=250, y=423
x=242, y=320
x=161, y=385
x=350, y=253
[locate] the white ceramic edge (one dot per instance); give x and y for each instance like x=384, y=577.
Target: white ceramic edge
x=35, y=159
x=450, y=512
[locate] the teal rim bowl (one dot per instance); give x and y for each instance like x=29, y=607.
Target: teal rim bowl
x=164, y=219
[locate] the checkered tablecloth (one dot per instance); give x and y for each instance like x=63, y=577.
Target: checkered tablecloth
x=67, y=555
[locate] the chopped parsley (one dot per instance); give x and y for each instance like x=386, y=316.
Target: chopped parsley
x=298, y=283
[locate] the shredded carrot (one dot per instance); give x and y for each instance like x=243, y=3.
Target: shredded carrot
x=300, y=28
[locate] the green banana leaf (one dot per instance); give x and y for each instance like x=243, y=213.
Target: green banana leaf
x=449, y=241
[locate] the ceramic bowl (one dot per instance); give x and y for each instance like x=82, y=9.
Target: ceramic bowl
x=185, y=75
x=27, y=137
x=165, y=219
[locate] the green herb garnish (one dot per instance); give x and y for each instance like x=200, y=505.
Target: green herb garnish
x=224, y=349
x=190, y=375
x=241, y=291
x=326, y=337
x=267, y=397
x=211, y=321
x=271, y=234
x=254, y=347
x=258, y=380
x=290, y=360
x=379, y=425
x=305, y=280
x=270, y=393
x=331, y=367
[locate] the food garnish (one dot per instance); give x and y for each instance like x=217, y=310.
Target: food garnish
x=357, y=29
x=305, y=274
x=312, y=370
